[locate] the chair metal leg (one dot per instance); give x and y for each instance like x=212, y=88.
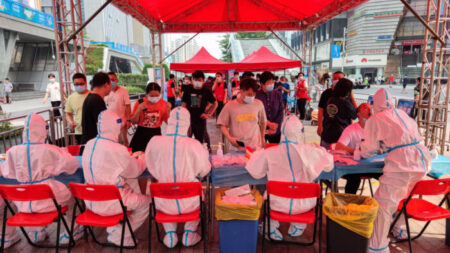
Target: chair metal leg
x=58, y=227
x=407, y=230
x=4, y=228
x=150, y=229
x=320, y=228
x=122, y=237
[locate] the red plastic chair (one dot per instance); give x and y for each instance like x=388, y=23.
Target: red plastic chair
x=34, y=192
x=74, y=150
x=90, y=219
x=295, y=191
x=422, y=210
x=269, y=145
x=176, y=191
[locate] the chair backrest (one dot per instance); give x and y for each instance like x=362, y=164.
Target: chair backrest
x=95, y=192
x=293, y=190
x=26, y=192
x=176, y=190
x=269, y=145
x=432, y=187
x=74, y=149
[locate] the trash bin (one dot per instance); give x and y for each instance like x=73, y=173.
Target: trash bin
x=349, y=222
x=238, y=224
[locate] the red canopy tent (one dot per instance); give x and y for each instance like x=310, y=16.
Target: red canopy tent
x=170, y=16
x=203, y=61
x=264, y=59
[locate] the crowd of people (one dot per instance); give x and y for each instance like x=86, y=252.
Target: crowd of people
x=251, y=116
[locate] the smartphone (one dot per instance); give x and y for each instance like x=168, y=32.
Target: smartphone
x=240, y=143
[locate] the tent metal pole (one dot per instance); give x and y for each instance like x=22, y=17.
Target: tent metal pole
x=287, y=45
x=178, y=48
x=161, y=68
x=154, y=57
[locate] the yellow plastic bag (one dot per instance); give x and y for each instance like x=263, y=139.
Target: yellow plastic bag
x=227, y=211
x=353, y=212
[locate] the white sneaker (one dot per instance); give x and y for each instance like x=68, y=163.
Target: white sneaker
x=65, y=239
x=11, y=241
x=296, y=230
x=399, y=234
x=37, y=236
x=170, y=239
x=275, y=234
x=190, y=238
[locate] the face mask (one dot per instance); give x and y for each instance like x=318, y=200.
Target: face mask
x=80, y=89
x=249, y=100
x=153, y=100
x=52, y=80
x=113, y=84
x=269, y=88
x=198, y=84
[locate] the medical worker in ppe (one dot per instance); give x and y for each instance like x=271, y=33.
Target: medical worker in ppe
x=178, y=158
x=407, y=161
x=107, y=162
x=291, y=161
x=35, y=162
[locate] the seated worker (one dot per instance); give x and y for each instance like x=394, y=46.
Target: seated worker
x=291, y=161
x=35, y=162
x=107, y=162
x=177, y=158
x=244, y=119
x=407, y=162
x=350, y=138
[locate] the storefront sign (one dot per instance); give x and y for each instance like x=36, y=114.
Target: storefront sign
x=412, y=42
x=23, y=12
x=385, y=37
x=361, y=61
x=375, y=51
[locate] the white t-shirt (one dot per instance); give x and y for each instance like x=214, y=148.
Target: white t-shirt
x=7, y=87
x=352, y=135
x=54, y=91
x=117, y=101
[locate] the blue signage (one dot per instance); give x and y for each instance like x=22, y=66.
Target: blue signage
x=23, y=12
x=385, y=37
x=119, y=47
x=335, y=51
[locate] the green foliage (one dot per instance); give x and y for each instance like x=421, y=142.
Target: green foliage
x=94, y=59
x=166, y=70
x=134, y=90
x=132, y=80
x=251, y=35
x=224, y=47
x=5, y=125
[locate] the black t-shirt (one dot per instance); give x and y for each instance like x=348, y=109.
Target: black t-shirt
x=185, y=87
x=197, y=100
x=93, y=105
x=324, y=98
x=337, y=115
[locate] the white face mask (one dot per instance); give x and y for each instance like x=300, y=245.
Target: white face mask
x=153, y=100
x=249, y=100
x=269, y=88
x=198, y=84
x=52, y=80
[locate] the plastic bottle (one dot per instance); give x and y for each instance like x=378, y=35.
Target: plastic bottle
x=357, y=153
x=220, y=150
x=434, y=153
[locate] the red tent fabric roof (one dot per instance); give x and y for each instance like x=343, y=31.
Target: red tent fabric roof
x=203, y=61
x=233, y=15
x=264, y=59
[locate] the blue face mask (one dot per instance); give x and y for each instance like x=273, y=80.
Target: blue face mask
x=113, y=85
x=80, y=89
x=249, y=100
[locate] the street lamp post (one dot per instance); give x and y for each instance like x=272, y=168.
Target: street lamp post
x=343, y=50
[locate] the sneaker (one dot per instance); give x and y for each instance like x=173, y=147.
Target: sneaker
x=296, y=230
x=11, y=241
x=170, y=239
x=37, y=236
x=190, y=238
x=275, y=234
x=399, y=234
x=65, y=239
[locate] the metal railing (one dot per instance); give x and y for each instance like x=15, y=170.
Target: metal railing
x=12, y=137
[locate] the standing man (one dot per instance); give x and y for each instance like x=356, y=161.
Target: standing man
x=55, y=94
x=235, y=85
x=171, y=92
x=74, y=104
x=220, y=90
x=405, y=82
x=201, y=104
x=7, y=89
x=118, y=101
x=302, y=95
x=93, y=105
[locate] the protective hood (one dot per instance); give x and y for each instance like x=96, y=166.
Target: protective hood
x=179, y=121
x=109, y=125
x=382, y=100
x=35, y=130
x=292, y=130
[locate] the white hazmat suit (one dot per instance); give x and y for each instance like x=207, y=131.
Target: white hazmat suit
x=177, y=158
x=407, y=162
x=106, y=162
x=34, y=162
x=291, y=161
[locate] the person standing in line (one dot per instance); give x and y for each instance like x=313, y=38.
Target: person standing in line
x=220, y=90
x=405, y=82
x=74, y=104
x=118, y=101
x=302, y=95
x=171, y=90
x=284, y=89
x=93, y=105
x=53, y=89
x=235, y=85
x=7, y=89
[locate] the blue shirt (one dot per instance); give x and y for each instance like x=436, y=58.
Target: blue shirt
x=273, y=105
x=285, y=94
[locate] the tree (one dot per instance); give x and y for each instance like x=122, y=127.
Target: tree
x=166, y=70
x=225, y=48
